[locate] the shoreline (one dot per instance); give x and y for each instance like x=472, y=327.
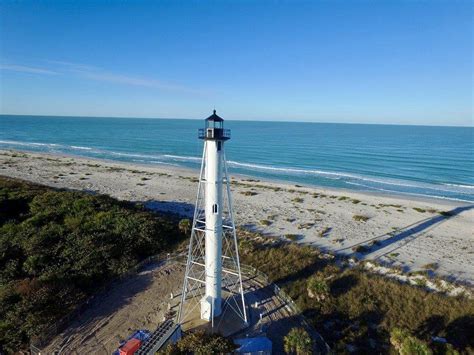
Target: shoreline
x=291, y=184
x=404, y=232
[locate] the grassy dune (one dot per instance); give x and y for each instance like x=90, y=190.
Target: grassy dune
x=361, y=309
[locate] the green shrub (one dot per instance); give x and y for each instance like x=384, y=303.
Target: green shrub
x=298, y=341
x=414, y=346
x=318, y=287
x=185, y=225
x=199, y=343
x=446, y=213
x=421, y=210
x=59, y=247
x=431, y=266
x=397, y=337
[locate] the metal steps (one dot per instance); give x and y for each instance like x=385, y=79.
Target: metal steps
x=158, y=338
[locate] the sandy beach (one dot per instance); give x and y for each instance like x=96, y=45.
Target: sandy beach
x=411, y=233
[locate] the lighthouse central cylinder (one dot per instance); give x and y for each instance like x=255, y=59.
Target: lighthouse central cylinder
x=211, y=304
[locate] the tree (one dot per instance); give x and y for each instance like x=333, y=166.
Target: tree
x=298, y=341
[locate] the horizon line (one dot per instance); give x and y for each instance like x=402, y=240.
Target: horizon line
x=242, y=120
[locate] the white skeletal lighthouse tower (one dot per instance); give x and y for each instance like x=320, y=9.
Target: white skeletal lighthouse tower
x=213, y=281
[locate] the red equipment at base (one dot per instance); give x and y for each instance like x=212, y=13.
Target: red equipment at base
x=130, y=347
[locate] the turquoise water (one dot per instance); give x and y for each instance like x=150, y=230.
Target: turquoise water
x=415, y=160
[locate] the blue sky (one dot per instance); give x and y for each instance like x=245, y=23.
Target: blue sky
x=407, y=62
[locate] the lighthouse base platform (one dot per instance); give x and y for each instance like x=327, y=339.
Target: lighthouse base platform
x=227, y=323
x=210, y=308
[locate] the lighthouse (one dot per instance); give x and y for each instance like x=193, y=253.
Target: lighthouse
x=214, y=136
x=213, y=280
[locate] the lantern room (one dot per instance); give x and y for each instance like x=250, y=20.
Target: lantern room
x=214, y=129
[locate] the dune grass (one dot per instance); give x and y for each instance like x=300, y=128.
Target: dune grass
x=360, y=218
x=361, y=308
x=418, y=209
x=446, y=213
x=325, y=232
x=293, y=237
x=249, y=193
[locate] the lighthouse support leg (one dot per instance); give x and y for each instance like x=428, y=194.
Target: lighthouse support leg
x=234, y=245
x=192, y=278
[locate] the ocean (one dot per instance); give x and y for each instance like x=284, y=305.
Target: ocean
x=413, y=160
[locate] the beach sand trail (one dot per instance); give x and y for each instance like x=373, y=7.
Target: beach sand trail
x=139, y=302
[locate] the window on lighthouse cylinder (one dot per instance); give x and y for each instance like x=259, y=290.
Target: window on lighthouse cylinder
x=215, y=208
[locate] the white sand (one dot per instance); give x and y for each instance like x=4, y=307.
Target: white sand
x=138, y=302
x=408, y=238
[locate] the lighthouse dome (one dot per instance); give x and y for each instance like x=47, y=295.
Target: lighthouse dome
x=214, y=117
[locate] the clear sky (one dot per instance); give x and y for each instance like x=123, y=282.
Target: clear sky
x=328, y=61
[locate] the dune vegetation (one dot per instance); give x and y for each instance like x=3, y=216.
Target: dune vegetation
x=59, y=247
x=199, y=343
x=355, y=310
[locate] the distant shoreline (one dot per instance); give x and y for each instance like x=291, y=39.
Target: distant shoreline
x=399, y=195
